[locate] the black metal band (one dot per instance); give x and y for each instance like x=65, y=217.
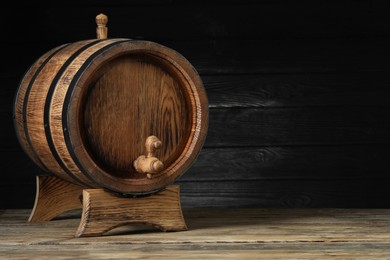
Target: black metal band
x=47, y=110
x=68, y=98
x=25, y=102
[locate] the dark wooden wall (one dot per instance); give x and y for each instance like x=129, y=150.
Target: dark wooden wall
x=298, y=90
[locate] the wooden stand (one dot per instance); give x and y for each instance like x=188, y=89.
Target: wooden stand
x=103, y=210
x=53, y=197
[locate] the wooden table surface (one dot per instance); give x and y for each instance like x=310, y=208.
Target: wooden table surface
x=213, y=234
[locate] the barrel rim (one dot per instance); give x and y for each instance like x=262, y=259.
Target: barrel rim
x=199, y=126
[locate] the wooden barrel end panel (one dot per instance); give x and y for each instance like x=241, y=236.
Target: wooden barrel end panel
x=130, y=98
x=140, y=89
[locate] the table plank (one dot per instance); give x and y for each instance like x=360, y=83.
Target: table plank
x=231, y=233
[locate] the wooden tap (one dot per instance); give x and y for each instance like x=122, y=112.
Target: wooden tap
x=150, y=163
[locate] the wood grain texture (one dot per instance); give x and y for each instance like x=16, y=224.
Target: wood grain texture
x=213, y=233
x=294, y=163
x=287, y=90
x=298, y=90
x=33, y=110
x=272, y=193
x=321, y=65
x=284, y=176
x=54, y=114
x=289, y=250
x=195, y=102
x=103, y=211
x=133, y=99
x=54, y=197
x=298, y=126
x=256, y=163
x=20, y=106
x=287, y=193
x=240, y=127
x=91, y=105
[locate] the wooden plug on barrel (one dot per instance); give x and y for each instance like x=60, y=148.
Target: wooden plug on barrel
x=101, y=29
x=91, y=115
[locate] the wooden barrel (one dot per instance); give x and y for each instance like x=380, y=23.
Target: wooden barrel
x=91, y=111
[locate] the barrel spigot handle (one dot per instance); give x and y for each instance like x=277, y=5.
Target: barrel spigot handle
x=101, y=29
x=149, y=164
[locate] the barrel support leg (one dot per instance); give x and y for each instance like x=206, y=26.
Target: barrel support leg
x=103, y=211
x=53, y=197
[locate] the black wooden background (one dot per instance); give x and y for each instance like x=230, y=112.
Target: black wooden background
x=298, y=93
